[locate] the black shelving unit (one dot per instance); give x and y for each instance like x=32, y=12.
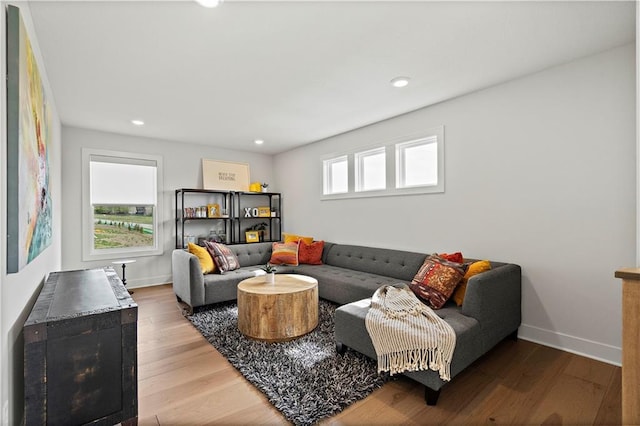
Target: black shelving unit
x=253, y=200
x=188, y=208
x=235, y=204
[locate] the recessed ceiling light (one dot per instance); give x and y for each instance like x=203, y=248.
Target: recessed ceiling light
x=258, y=141
x=400, y=81
x=209, y=3
x=137, y=122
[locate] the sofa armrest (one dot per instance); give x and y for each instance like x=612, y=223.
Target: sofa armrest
x=188, y=281
x=494, y=299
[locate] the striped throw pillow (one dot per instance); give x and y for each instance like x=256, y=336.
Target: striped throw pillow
x=284, y=254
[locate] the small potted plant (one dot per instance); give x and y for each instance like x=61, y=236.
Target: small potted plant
x=271, y=273
x=264, y=185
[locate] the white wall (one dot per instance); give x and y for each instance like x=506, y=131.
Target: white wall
x=540, y=171
x=18, y=291
x=182, y=169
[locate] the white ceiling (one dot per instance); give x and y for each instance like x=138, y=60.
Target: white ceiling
x=292, y=72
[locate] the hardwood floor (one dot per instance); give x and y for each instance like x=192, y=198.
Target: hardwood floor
x=183, y=380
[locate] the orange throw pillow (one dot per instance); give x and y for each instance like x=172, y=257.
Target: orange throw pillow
x=294, y=238
x=474, y=269
x=452, y=257
x=311, y=254
x=284, y=254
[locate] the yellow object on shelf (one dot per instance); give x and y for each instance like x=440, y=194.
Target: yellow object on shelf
x=255, y=187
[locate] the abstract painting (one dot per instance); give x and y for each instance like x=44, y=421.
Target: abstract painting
x=29, y=209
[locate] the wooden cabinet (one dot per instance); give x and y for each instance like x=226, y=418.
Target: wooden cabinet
x=238, y=213
x=80, y=351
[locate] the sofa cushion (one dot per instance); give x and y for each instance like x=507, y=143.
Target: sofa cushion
x=402, y=265
x=436, y=279
x=310, y=254
x=474, y=269
x=204, y=258
x=223, y=257
x=284, y=254
x=342, y=285
x=252, y=254
x=350, y=329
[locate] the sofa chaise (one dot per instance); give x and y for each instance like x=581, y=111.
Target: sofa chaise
x=349, y=275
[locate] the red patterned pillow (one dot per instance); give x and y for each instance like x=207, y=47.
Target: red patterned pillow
x=436, y=280
x=284, y=254
x=311, y=254
x=452, y=257
x=223, y=257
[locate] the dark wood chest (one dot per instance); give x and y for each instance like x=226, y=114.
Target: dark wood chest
x=80, y=351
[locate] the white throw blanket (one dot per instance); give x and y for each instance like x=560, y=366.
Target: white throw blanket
x=407, y=335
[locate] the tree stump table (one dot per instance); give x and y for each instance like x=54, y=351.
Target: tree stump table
x=277, y=312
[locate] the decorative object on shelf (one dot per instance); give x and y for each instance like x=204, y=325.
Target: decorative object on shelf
x=225, y=175
x=264, y=185
x=270, y=278
x=255, y=187
x=189, y=239
x=252, y=236
x=213, y=210
x=257, y=211
x=259, y=229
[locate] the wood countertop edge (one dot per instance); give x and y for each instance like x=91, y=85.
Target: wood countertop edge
x=628, y=273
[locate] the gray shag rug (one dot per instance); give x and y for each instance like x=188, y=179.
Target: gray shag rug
x=305, y=379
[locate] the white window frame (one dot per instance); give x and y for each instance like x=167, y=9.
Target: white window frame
x=327, y=173
x=401, y=150
x=89, y=253
x=393, y=167
x=359, y=164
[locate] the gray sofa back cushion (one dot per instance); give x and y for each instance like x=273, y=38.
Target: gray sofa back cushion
x=252, y=254
x=402, y=265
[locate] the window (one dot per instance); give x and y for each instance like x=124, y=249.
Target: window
x=370, y=170
x=417, y=163
x=120, y=205
x=335, y=175
x=412, y=164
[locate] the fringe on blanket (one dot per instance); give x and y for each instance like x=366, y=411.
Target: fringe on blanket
x=407, y=335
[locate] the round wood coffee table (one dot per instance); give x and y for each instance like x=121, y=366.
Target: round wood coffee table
x=277, y=312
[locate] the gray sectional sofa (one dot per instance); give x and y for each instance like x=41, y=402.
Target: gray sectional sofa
x=350, y=275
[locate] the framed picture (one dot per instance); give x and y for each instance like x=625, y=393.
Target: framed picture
x=225, y=175
x=264, y=212
x=252, y=236
x=29, y=201
x=213, y=210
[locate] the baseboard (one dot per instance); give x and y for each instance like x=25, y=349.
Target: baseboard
x=149, y=281
x=576, y=345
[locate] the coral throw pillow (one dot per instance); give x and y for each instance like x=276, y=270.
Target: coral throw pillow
x=206, y=262
x=452, y=257
x=311, y=254
x=436, y=280
x=224, y=259
x=284, y=254
x=293, y=238
x=474, y=269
